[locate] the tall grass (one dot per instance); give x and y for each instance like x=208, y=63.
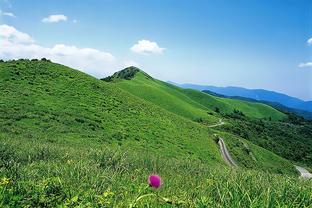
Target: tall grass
x=50, y=175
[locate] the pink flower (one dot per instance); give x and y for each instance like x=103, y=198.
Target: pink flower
x=154, y=181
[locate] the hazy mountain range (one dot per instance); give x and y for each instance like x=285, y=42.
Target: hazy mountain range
x=255, y=94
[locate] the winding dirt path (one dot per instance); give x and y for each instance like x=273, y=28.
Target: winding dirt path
x=218, y=124
x=227, y=157
x=304, y=173
x=225, y=154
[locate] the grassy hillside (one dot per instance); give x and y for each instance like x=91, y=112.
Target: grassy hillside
x=250, y=109
x=68, y=139
x=305, y=114
x=70, y=174
x=185, y=102
x=199, y=106
x=291, y=139
x=163, y=95
x=250, y=156
x=245, y=119
x=49, y=101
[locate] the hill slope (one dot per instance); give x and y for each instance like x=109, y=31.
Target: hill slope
x=256, y=94
x=305, y=114
x=42, y=99
x=68, y=139
x=225, y=105
x=270, y=134
x=188, y=103
x=45, y=102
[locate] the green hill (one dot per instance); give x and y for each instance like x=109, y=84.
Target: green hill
x=163, y=95
x=68, y=139
x=226, y=105
x=41, y=100
x=185, y=102
x=199, y=106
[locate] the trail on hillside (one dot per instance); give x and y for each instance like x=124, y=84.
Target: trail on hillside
x=217, y=124
x=225, y=154
x=304, y=173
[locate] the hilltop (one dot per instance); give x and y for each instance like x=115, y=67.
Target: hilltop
x=127, y=73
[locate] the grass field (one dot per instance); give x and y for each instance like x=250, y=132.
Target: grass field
x=252, y=110
x=68, y=139
x=167, y=97
x=251, y=156
x=70, y=174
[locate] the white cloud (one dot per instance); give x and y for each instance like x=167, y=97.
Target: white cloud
x=9, y=33
x=146, y=46
x=305, y=65
x=9, y=14
x=16, y=44
x=309, y=41
x=54, y=18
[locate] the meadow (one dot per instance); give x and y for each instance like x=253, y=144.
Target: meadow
x=70, y=140
x=54, y=174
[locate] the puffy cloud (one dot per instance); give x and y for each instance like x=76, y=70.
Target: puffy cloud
x=305, y=65
x=54, y=18
x=16, y=44
x=309, y=41
x=9, y=14
x=9, y=33
x=146, y=47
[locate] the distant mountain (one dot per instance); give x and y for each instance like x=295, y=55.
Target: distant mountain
x=256, y=94
x=305, y=114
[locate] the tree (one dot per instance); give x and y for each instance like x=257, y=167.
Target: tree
x=217, y=110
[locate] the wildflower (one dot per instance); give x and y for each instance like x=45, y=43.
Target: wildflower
x=154, y=181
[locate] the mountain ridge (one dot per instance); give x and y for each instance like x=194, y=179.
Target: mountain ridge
x=305, y=114
x=257, y=94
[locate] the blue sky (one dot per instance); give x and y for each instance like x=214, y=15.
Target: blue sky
x=247, y=43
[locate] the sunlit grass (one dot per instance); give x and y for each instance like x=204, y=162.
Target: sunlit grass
x=68, y=140
x=95, y=177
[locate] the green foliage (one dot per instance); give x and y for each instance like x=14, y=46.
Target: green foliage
x=166, y=96
x=90, y=175
x=52, y=102
x=290, y=139
x=217, y=110
x=251, y=156
x=69, y=140
x=192, y=104
x=227, y=106
x=127, y=73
